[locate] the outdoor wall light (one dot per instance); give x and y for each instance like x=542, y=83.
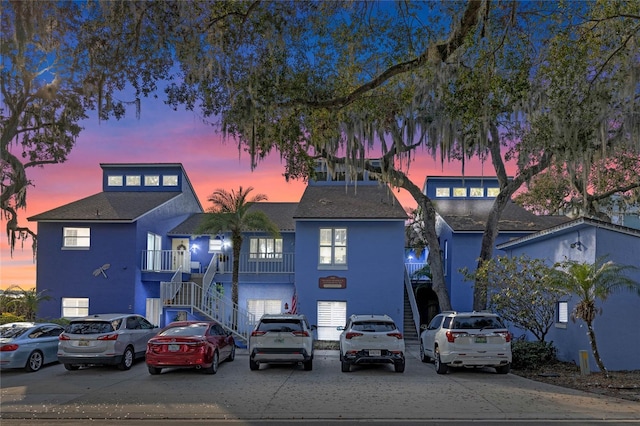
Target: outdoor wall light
x=576, y=245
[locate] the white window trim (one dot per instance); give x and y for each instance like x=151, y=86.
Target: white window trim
x=71, y=241
x=264, y=253
x=74, y=307
x=333, y=264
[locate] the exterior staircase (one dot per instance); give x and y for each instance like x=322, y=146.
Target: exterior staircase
x=200, y=297
x=410, y=333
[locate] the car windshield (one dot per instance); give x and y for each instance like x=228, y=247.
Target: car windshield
x=373, y=326
x=92, y=327
x=268, y=325
x=475, y=322
x=185, y=330
x=12, y=332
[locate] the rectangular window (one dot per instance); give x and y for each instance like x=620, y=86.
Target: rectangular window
x=259, y=307
x=133, y=180
x=114, y=180
x=76, y=237
x=74, y=307
x=477, y=192
x=333, y=246
x=170, y=180
x=493, y=192
x=563, y=312
x=265, y=248
x=152, y=180
x=443, y=192
x=459, y=192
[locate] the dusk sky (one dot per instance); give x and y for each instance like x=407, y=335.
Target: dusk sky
x=164, y=136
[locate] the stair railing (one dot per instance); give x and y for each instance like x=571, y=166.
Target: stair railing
x=412, y=301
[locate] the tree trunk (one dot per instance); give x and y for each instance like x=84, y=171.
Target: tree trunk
x=237, y=246
x=594, y=348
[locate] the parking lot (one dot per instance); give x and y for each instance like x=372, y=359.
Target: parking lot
x=282, y=393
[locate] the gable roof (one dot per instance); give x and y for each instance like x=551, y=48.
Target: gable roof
x=107, y=206
x=349, y=202
x=563, y=228
x=471, y=216
x=279, y=213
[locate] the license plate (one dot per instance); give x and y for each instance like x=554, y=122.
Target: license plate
x=83, y=343
x=374, y=352
x=174, y=348
x=279, y=340
x=481, y=339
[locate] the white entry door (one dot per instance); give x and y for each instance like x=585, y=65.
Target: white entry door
x=331, y=314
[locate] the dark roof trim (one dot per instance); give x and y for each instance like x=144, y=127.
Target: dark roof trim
x=580, y=222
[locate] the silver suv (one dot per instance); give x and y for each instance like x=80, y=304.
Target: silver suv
x=466, y=339
x=281, y=338
x=111, y=339
x=371, y=339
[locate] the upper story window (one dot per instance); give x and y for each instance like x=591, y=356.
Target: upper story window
x=170, y=180
x=265, y=248
x=493, y=192
x=76, y=237
x=443, y=192
x=333, y=246
x=114, y=180
x=152, y=180
x=563, y=312
x=133, y=180
x=476, y=192
x=459, y=192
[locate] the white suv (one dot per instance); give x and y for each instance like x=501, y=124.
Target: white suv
x=466, y=339
x=371, y=339
x=281, y=338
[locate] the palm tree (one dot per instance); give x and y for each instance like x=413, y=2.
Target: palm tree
x=231, y=212
x=24, y=302
x=592, y=282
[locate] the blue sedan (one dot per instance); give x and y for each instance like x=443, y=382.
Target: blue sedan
x=28, y=345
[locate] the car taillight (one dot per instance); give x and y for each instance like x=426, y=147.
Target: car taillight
x=506, y=335
x=8, y=348
x=452, y=335
x=108, y=337
x=396, y=335
x=64, y=337
x=351, y=335
x=257, y=333
x=301, y=333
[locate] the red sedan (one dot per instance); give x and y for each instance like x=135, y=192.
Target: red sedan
x=196, y=344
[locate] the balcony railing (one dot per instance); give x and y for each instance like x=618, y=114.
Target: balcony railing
x=165, y=260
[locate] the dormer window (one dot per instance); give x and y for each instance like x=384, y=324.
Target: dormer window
x=443, y=192
x=459, y=192
x=170, y=180
x=133, y=180
x=152, y=180
x=114, y=180
x=476, y=192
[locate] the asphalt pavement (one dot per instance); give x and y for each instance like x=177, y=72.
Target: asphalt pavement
x=279, y=394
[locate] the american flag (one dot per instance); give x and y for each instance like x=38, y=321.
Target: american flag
x=294, y=302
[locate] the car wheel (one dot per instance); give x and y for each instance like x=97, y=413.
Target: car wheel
x=253, y=365
x=154, y=370
x=399, y=366
x=308, y=365
x=35, y=361
x=214, y=364
x=346, y=366
x=440, y=367
x=503, y=369
x=71, y=367
x=232, y=355
x=423, y=357
x=127, y=359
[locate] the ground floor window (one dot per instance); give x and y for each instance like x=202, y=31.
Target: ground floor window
x=331, y=314
x=73, y=307
x=259, y=307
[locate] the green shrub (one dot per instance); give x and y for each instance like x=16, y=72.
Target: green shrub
x=7, y=317
x=532, y=355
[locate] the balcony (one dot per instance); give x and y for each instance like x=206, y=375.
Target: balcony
x=171, y=260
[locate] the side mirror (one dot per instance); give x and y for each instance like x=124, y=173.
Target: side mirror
x=314, y=327
x=423, y=326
